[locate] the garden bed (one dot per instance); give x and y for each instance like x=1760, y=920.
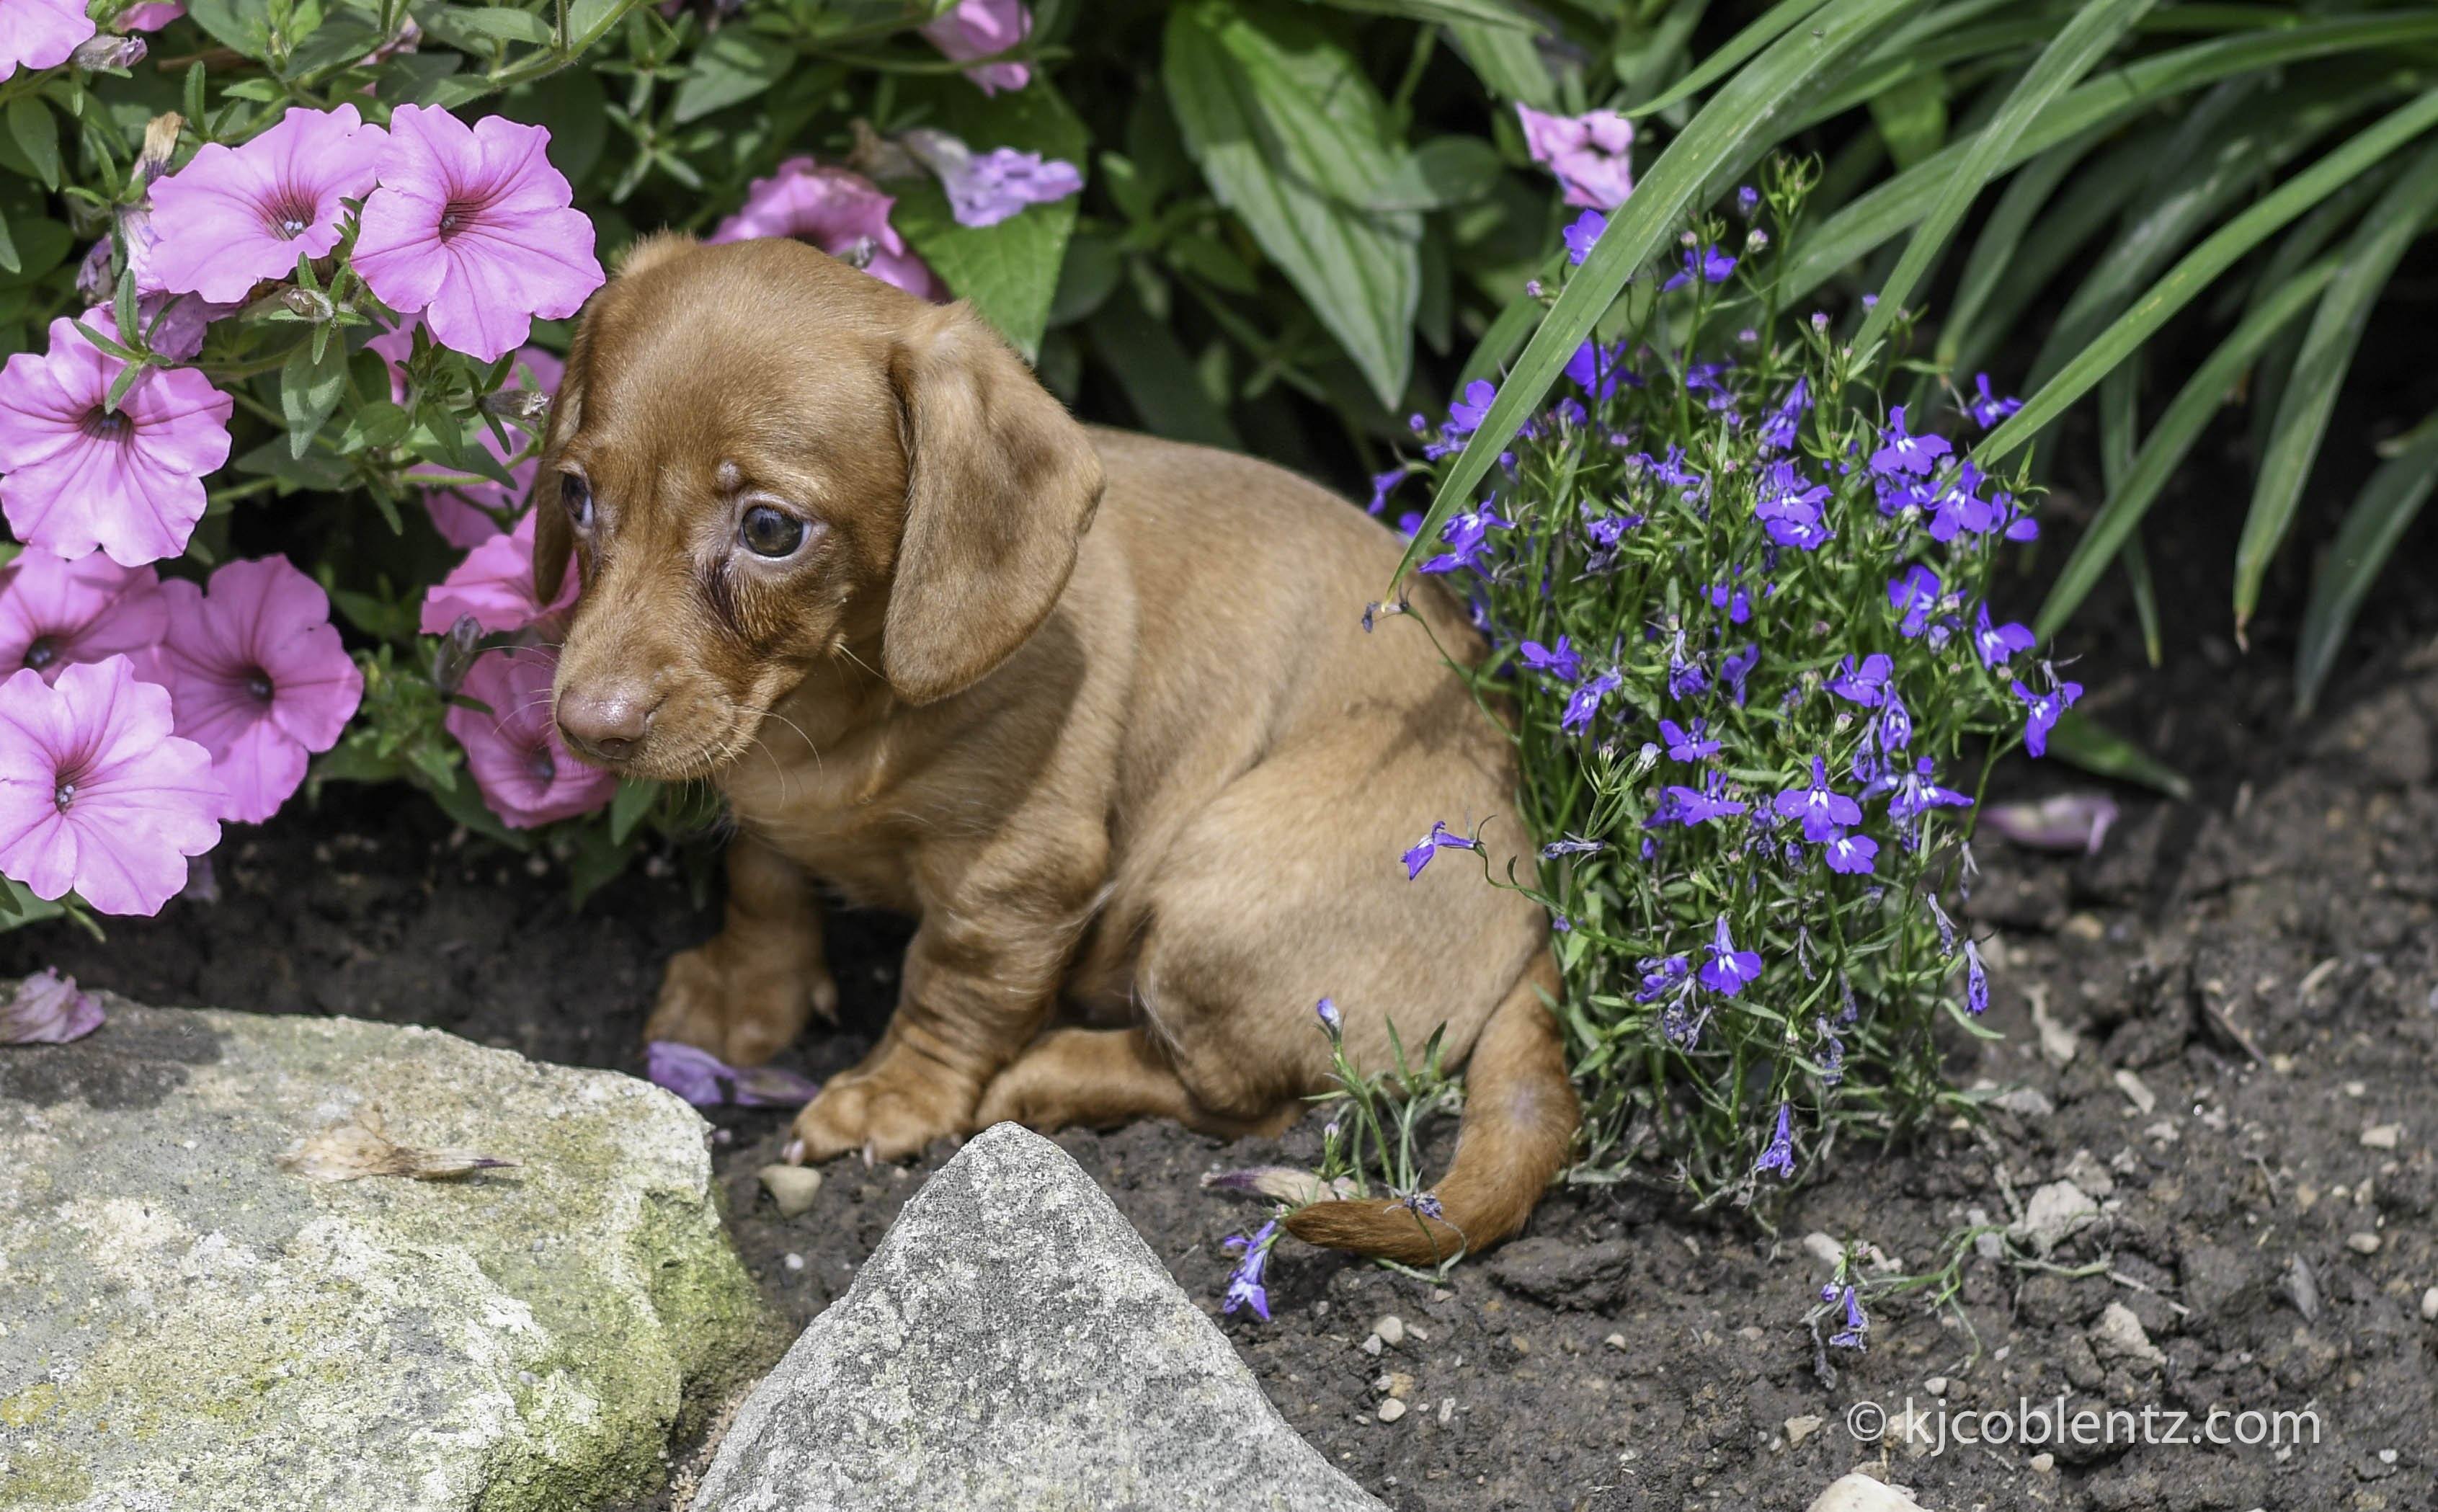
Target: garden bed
x=1626, y=1353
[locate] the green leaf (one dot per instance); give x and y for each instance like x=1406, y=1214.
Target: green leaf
x=10, y=262
x=309, y=390
x=36, y=132
x=1509, y=62
x=1087, y=278
x=2202, y=265
x=2379, y=244
x=734, y=66
x=2381, y=514
x=2119, y=436
x=1489, y=13
x=1009, y=270
x=1158, y=374
x=634, y=799
x=2079, y=47
x=1737, y=120
x=1443, y=171
x=1994, y=252
x=241, y=24
x=1912, y=117
x=1775, y=23
x=2080, y=743
x=2178, y=426
x=504, y=24
x=1289, y=133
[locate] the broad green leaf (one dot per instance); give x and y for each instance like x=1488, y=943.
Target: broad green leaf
x=2085, y=39
x=507, y=24
x=574, y=106
x=241, y=24
x=2390, y=228
x=2202, y=265
x=734, y=66
x=2079, y=742
x=1443, y=171
x=634, y=799
x=1282, y=159
x=1009, y=270
x=1846, y=237
x=2119, y=436
x=36, y=132
x=1509, y=62
x=2178, y=426
x=1087, y=278
x=1912, y=117
x=1741, y=116
x=310, y=390
x=2382, y=513
x=41, y=244
x=1994, y=251
x=1775, y=23
x=1158, y=374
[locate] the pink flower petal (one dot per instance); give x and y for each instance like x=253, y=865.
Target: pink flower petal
x=40, y=33
x=526, y=776
x=46, y=1009
x=235, y=216
x=494, y=584
x=835, y=209
x=980, y=28
x=54, y=613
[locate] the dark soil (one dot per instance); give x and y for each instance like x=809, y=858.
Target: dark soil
x=2264, y=961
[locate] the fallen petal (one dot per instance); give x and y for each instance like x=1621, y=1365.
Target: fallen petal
x=708, y=1082
x=350, y=1150
x=2064, y=821
x=1285, y=1184
x=46, y=1009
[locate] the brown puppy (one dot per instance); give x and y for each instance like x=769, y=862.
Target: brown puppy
x=840, y=556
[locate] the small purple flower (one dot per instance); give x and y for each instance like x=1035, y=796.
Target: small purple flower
x=1584, y=704
x=46, y=1009
x=1685, y=675
x=1779, y=1156
x=1659, y=974
x=2043, y=711
x=1686, y=743
x=1330, y=1019
x=1245, y=1288
x=1464, y=416
x=2022, y=527
x=1857, y=1322
x=1822, y=810
x=1747, y=200
x=1384, y=483
x=1997, y=642
x=1583, y=233
x=1987, y=409
x=1865, y=684
x=1729, y=970
x=1919, y=792
x=1571, y=844
x=1561, y=660
x=1849, y=855
x=1777, y=432
x=986, y=188
x=1441, y=839
x=1736, y=668
x=1732, y=598
x=1708, y=264
x=1670, y=469
x=1900, y=450
x=1956, y=505
x=1467, y=536
x=1914, y=593
x=1787, y=495
x=707, y=1081
x=1801, y=534
x=1598, y=370
x=1691, y=806
x=1896, y=722
x=1976, y=979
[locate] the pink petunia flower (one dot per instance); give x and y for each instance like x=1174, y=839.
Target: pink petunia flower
x=838, y=210
x=148, y=16
x=467, y=515
x=46, y=1009
x=471, y=226
x=258, y=677
x=55, y=614
x=1590, y=155
x=525, y=774
x=980, y=28
x=96, y=794
x=131, y=483
x=40, y=33
x=235, y=216
x=495, y=585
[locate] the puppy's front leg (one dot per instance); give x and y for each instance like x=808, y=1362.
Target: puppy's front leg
x=747, y=993
x=977, y=989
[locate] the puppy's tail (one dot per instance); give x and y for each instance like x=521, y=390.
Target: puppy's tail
x=1520, y=1114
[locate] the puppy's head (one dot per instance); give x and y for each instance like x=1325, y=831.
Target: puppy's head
x=762, y=460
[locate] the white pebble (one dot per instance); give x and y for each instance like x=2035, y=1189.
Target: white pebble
x=1390, y=1330
x=2382, y=1135
x=2362, y=1243
x=794, y=1262
x=2429, y=1305
x=1391, y=1410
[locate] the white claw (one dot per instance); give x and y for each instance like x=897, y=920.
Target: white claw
x=794, y=1154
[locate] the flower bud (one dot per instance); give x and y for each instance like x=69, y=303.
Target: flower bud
x=102, y=50
x=524, y=407
x=456, y=653
x=160, y=145
x=311, y=304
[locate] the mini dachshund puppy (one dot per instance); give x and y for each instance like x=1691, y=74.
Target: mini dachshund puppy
x=1100, y=711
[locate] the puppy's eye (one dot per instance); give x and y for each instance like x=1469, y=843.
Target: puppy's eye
x=575, y=497
x=769, y=532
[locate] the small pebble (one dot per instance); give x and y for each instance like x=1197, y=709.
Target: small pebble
x=2364, y=1244
x=2388, y=1456
x=1799, y=1428
x=1616, y=1340
x=792, y=1188
x=1937, y=1385
x=2429, y=1305
x=2382, y=1135
x=1391, y=1410
x=794, y=1262
x=2042, y=1463
x=1390, y=1330
x=2137, y=1092
x=1371, y=1345
x=1447, y=1410
x=2356, y=1089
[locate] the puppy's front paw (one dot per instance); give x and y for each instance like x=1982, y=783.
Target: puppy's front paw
x=890, y=1112
x=743, y=1013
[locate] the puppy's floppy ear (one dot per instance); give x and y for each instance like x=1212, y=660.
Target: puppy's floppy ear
x=554, y=538
x=1001, y=484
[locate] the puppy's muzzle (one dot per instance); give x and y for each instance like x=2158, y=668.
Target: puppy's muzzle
x=606, y=725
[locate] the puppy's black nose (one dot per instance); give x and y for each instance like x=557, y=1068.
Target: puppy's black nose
x=605, y=723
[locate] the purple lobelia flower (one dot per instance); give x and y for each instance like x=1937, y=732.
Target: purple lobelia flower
x=1822, y=810
x=1779, y=1156
x=1686, y=742
x=1914, y=594
x=1598, y=370
x=1956, y=506
x=1571, y=844
x=46, y=1009
x=1441, y=839
x=1985, y=407
x=1787, y=496
x=1849, y=855
x=1708, y=264
x=2043, y=711
x=1561, y=662
x=989, y=188
x=1896, y=722
x=473, y=226
x=1583, y=234
x=1919, y=792
x=1467, y=536
x=1732, y=598
x=1735, y=668
x=1583, y=706
x=1900, y=450
x=235, y=216
x=1660, y=973
x=1804, y=535
x=1384, y=483
x=1777, y=432
x=1685, y=675
x=1857, y=1322
x=1976, y=979
x=1464, y=416
x=1245, y=1284
x=1330, y=1019
x=1865, y=683
x=708, y=1082
x=1997, y=642
x=1729, y=970
x=1690, y=806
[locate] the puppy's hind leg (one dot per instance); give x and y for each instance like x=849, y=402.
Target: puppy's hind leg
x=1100, y=1078
x=745, y=995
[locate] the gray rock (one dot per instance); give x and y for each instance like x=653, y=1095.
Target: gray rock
x=184, y=1325
x=2055, y=1212
x=1013, y=1345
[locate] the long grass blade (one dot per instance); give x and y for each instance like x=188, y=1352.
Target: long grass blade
x=2101, y=751
x=2120, y=425
x=2379, y=244
x=2382, y=513
x=2086, y=39
x=1775, y=23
